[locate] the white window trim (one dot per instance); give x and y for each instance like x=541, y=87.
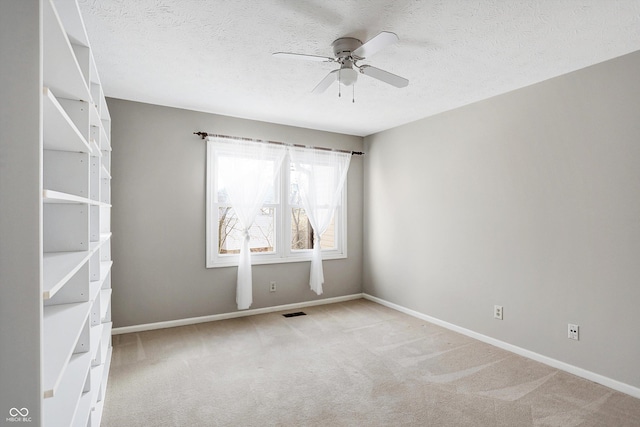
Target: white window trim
x=284, y=253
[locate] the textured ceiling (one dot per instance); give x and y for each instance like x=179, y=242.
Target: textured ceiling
x=215, y=56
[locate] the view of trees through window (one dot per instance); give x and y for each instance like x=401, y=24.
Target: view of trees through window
x=302, y=233
x=230, y=235
x=262, y=231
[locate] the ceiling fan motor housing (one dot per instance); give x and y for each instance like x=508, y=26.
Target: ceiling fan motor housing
x=343, y=47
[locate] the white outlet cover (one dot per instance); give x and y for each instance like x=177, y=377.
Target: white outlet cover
x=497, y=312
x=573, y=331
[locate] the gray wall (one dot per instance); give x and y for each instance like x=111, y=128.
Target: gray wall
x=530, y=200
x=158, y=218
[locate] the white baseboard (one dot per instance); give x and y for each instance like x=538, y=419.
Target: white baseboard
x=583, y=373
x=232, y=315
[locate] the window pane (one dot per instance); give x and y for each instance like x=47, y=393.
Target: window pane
x=302, y=235
x=229, y=166
x=328, y=240
x=294, y=185
x=323, y=184
x=301, y=232
x=262, y=231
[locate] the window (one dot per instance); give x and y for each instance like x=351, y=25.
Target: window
x=281, y=231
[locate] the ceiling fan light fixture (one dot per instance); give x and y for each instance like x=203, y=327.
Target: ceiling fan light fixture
x=347, y=76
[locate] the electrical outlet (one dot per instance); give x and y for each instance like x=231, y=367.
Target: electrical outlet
x=497, y=312
x=573, y=332
x=272, y=286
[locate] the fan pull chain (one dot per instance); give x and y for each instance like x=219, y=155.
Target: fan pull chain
x=339, y=86
x=353, y=94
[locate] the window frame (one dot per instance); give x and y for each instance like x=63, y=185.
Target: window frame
x=282, y=225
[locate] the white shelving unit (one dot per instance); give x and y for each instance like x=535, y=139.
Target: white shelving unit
x=76, y=225
x=65, y=315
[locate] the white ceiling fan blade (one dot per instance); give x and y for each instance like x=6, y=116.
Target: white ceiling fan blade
x=377, y=43
x=384, y=76
x=326, y=82
x=316, y=58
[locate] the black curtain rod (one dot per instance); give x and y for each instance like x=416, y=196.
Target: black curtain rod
x=203, y=135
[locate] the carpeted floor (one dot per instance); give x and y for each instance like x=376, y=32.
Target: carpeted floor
x=348, y=364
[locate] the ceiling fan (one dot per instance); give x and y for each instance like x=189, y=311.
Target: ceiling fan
x=347, y=52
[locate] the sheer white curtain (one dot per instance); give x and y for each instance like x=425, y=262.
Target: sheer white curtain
x=255, y=168
x=319, y=176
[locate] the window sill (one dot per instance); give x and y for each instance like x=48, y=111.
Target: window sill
x=270, y=259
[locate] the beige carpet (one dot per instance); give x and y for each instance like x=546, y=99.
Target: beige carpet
x=348, y=364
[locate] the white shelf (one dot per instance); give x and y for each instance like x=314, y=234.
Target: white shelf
x=106, y=341
x=58, y=268
x=104, y=111
x=62, y=325
x=107, y=367
x=104, y=138
x=71, y=19
x=96, y=414
x=60, y=410
x=62, y=72
x=96, y=338
x=105, y=173
x=94, y=116
x=96, y=382
x=96, y=89
x=95, y=80
x=99, y=133
x=105, y=302
x=106, y=125
x=83, y=411
x=94, y=289
x=95, y=148
x=104, y=237
x=96, y=285
x=51, y=196
x=60, y=133
x=105, y=344
x=105, y=268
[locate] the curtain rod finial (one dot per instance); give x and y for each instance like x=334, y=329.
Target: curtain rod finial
x=202, y=135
